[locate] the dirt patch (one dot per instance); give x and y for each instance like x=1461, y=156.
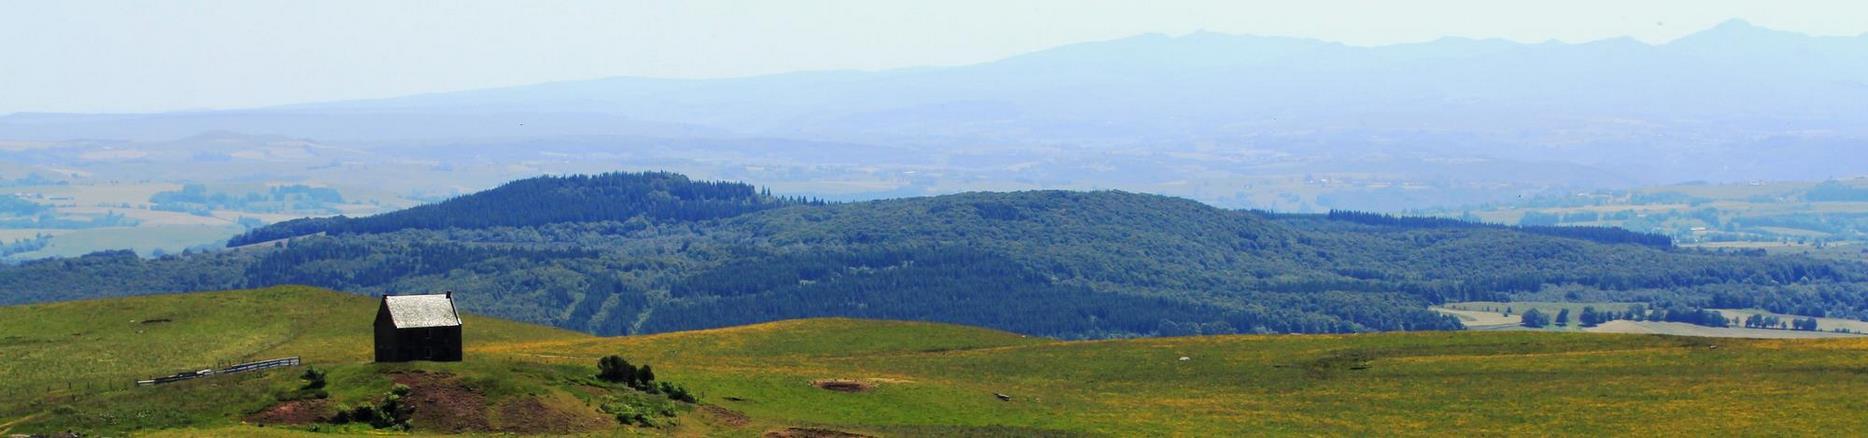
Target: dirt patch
x=807, y=432
x=533, y=415
x=443, y=404
x=157, y=321
x=844, y=385
x=726, y=416
x=293, y=412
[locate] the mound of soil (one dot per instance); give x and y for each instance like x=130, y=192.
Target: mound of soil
x=532, y=415
x=807, y=432
x=726, y=416
x=443, y=404
x=293, y=412
x=843, y=385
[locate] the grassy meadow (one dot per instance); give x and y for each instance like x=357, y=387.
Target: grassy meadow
x=926, y=379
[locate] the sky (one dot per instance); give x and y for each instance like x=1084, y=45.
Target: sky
x=154, y=55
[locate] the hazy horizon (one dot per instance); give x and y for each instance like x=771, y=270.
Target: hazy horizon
x=103, y=57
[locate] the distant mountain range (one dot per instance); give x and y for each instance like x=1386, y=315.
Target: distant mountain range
x=1734, y=102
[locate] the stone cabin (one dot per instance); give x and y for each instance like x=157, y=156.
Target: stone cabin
x=418, y=327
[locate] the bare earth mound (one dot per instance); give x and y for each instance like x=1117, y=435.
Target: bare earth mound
x=806, y=432
x=442, y=404
x=534, y=415
x=843, y=385
x=293, y=412
x=726, y=416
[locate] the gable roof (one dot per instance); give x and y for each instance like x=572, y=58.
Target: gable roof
x=419, y=311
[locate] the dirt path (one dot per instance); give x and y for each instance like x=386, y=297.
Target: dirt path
x=8, y=426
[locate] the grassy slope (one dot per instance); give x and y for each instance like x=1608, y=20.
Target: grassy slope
x=84, y=354
x=938, y=380
x=100, y=341
x=1414, y=383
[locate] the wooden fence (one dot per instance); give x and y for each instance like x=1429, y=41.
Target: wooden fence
x=39, y=396
x=230, y=369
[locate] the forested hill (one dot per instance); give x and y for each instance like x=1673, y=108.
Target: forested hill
x=658, y=196
x=1054, y=263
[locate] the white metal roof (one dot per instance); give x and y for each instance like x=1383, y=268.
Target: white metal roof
x=418, y=311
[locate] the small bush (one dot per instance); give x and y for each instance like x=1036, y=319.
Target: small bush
x=629, y=414
x=342, y=416
x=314, y=378
x=677, y=392
x=390, y=414
x=645, y=378
x=615, y=369
x=363, y=414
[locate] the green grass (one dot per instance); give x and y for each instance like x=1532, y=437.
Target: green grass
x=939, y=380
x=85, y=355
x=123, y=339
x=1416, y=384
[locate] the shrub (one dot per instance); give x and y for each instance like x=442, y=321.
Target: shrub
x=629, y=414
x=314, y=378
x=677, y=392
x=391, y=413
x=645, y=378
x=363, y=414
x=615, y=369
x=342, y=416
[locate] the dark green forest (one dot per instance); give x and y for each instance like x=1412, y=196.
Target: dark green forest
x=655, y=196
x=654, y=252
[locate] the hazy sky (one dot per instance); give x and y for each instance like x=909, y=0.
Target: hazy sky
x=97, y=56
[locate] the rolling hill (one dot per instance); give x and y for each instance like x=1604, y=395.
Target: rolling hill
x=622, y=257
x=917, y=379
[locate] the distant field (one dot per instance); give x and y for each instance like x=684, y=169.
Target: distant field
x=1684, y=329
x=1474, y=315
x=1481, y=319
x=8, y=235
x=92, y=194
x=1495, y=318
x=170, y=231
x=1825, y=324
x=1843, y=250
x=1780, y=217
x=940, y=380
x=144, y=240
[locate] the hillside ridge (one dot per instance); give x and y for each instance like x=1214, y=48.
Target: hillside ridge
x=631, y=255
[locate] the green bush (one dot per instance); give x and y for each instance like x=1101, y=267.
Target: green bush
x=342, y=416
x=629, y=414
x=677, y=392
x=314, y=378
x=615, y=369
x=390, y=414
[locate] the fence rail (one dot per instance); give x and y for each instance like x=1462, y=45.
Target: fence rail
x=230, y=369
